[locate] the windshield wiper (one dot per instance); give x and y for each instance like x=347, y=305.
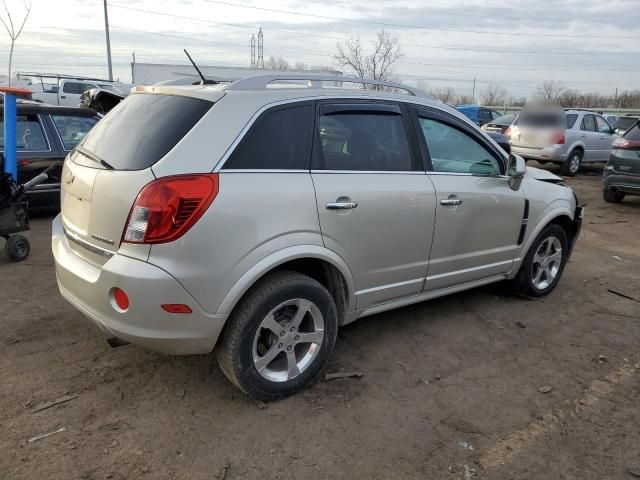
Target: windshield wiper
x=94, y=157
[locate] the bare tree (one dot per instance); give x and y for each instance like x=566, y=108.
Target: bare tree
x=14, y=32
x=276, y=63
x=377, y=64
x=463, y=100
x=550, y=90
x=445, y=95
x=494, y=95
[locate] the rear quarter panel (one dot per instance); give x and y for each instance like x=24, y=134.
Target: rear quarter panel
x=254, y=216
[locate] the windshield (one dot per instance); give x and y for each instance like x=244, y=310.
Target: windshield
x=504, y=120
x=142, y=129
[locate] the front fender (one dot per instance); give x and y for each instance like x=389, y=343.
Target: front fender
x=276, y=259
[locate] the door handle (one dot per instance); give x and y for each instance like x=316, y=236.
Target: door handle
x=341, y=205
x=450, y=201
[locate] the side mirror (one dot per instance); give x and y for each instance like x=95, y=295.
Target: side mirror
x=516, y=171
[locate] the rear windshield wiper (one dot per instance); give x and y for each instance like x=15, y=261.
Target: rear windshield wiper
x=94, y=157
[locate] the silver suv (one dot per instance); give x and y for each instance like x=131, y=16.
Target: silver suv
x=569, y=138
x=260, y=216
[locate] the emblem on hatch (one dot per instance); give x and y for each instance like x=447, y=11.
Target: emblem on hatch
x=108, y=241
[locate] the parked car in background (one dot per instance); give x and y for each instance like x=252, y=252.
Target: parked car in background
x=501, y=139
x=609, y=118
x=500, y=124
x=45, y=136
x=479, y=115
x=622, y=124
x=621, y=176
x=185, y=226
x=67, y=92
x=568, y=138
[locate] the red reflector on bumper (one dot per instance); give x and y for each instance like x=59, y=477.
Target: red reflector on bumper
x=176, y=308
x=121, y=298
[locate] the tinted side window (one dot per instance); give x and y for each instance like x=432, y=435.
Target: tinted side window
x=364, y=141
x=29, y=134
x=571, y=119
x=73, y=87
x=279, y=140
x=484, y=116
x=603, y=125
x=588, y=124
x=454, y=151
x=72, y=129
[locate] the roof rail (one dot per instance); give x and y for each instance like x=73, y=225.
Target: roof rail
x=259, y=82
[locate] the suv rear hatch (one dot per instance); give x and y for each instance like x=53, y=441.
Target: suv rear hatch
x=625, y=155
x=104, y=174
x=538, y=129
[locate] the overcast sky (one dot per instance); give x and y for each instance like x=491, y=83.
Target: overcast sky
x=590, y=45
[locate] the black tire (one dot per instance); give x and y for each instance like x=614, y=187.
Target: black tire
x=523, y=283
x=235, y=350
x=17, y=248
x=571, y=166
x=612, y=196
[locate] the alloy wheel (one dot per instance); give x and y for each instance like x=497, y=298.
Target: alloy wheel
x=288, y=340
x=546, y=262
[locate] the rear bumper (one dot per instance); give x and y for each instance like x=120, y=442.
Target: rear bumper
x=88, y=288
x=549, y=154
x=625, y=183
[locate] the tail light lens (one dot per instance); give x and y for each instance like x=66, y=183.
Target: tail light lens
x=507, y=132
x=624, y=144
x=558, y=138
x=168, y=207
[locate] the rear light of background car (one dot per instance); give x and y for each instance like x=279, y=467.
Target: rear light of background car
x=558, y=138
x=168, y=207
x=624, y=144
x=507, y=132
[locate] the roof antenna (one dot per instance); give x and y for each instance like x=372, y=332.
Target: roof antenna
x=204, y=81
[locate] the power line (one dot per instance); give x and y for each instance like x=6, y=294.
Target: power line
x=333, y=37
x=415, y=27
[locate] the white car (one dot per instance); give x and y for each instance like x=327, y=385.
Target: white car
x=257, y=217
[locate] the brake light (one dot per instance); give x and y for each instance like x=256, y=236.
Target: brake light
x=624, y=144
x=167, y=208
x=507, y=132
x=558, y=138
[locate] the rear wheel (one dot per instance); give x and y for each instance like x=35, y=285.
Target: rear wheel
x=279, y=337
x=17, y=248
x=572, y=164
x=544, y=263
x=612, y=196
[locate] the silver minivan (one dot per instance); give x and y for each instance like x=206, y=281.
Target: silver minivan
x=256, y=218
x=568, y=138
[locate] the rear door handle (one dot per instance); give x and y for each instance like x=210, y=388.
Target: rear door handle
x=341, y=205
x=450, y=201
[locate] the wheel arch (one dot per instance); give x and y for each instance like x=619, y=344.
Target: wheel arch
x=319, y=263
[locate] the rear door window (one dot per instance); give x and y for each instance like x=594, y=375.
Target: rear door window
x=72, y=128
x=142, y=129
x=30, y=135
x=588, y=124
x=279, y=140
x=367, y=140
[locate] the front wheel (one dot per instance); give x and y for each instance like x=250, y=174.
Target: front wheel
x=279, y=337
x=544, y=263
x=571, y=166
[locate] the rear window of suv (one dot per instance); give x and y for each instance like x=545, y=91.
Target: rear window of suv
x=142, y=129
x=541, y=120
x=625, y=122
x=633, y=133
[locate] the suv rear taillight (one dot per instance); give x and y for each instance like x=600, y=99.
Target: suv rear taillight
x=167, y=208
x=624, y=144
x=558, y=138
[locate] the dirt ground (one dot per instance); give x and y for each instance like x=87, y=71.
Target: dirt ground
x=450, y=387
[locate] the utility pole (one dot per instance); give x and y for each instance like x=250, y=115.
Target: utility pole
x=260, y=49
x=253, y=51
x=473, y=96
x=106, y=29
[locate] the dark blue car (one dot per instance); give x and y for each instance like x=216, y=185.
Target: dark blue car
x=479, y=115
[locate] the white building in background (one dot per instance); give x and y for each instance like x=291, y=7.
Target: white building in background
x=150, y=73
